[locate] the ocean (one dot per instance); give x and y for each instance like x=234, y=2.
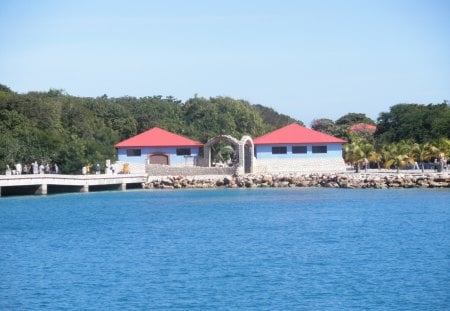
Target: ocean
x=230, y=249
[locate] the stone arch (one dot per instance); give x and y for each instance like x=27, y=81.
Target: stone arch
x=207, y=147
x=248, y=153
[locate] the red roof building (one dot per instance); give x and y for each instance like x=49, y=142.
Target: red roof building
x=362, y=127
x=296, y=134
x=157, y=137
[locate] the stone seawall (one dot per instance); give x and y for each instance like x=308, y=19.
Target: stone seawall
x=166, y=170
x=328, y=180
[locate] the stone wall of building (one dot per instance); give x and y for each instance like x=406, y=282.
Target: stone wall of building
x=166, y=170
x=261, y=166
x=303, y=165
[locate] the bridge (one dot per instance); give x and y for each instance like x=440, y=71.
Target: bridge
x=52, y=183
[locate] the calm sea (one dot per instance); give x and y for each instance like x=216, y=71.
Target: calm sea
x=274, y=249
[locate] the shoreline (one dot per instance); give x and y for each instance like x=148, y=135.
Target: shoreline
x=369, y=180
x=373, y=179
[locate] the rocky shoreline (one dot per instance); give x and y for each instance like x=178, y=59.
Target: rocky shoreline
x=326, y=180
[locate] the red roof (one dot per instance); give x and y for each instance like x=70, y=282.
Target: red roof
x=157, y=137
x=296, y=134
x=358, y=127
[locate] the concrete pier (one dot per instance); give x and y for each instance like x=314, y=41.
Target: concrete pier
x=42, y=189
x=43, y=184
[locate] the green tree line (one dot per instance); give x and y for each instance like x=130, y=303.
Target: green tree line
x=54, y=127
x=406, y=135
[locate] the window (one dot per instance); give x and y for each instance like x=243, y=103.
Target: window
x=279, y=150
x=183, y=151
x=133, y=152
x=319, y=149
x=299, y=149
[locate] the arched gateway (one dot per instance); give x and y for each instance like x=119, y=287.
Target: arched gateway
x=244, y=150
x=248, y=149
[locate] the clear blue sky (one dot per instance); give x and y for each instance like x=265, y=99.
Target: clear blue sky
x=308, y=59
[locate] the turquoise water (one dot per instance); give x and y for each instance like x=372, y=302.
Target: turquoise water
x=274, y=249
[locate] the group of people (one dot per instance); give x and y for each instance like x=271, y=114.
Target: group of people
x=88, y=169
x=32, y=168
x=110, y=169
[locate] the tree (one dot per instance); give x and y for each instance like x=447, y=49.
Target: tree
x=375, y=157
x=326, y=126
x=358, y=151
x=353, y=118
x=395, y=155
x=274, y=119
x=421, y=123
x=4, y=88
x=215, y=116
x=424, y=152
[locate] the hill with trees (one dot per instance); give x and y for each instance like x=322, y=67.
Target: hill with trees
x=55, y=127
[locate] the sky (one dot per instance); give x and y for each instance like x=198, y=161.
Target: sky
x=307, y=59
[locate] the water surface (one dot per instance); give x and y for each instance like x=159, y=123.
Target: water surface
x=264, y=249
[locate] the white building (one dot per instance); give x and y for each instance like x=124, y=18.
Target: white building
x=297, y=149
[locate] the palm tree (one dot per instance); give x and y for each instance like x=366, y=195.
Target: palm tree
x=375, y=157
x=358, y=151
x=394, y=155
x=221, y=152
x=443, y=147
x=424, y=152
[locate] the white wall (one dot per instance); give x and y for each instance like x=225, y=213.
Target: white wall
x=174, y=160
x=309, y=162
x=265, y=151
x=299, y=166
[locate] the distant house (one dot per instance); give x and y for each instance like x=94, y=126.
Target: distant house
x=295, y=148
x=158, y=146
x=364, y=129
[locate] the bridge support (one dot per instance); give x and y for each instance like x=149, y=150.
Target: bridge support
x=85, y=188
x=123, y=187
x=42, y=189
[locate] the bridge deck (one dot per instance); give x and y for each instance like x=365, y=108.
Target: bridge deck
x=41, y=182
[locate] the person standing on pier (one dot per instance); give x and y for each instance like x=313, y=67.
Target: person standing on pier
x=41, y=169
x=19, y=169
x=35, y=167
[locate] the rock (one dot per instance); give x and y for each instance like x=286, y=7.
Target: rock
x=220, y=183
x=167, y=182
x=227, y=181
x=266, y=179
x=349, y=181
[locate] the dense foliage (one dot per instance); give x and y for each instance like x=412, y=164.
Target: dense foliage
x=420, y=123
x=407, y=135
x=53, y=127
